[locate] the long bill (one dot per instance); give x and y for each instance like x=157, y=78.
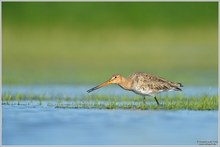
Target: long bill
x=99, y=86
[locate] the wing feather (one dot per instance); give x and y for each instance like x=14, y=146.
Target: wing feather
x=153, y=84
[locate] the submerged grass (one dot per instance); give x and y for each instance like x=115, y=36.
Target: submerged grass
x=179, y=102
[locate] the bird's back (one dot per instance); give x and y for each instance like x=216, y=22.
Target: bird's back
x=147, y=84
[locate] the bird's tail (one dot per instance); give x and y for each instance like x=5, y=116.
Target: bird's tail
x=177, y=87
x=180, y=84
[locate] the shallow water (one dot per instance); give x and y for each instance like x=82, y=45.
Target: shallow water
x=67, y=90
x=23, y=125
x=44, y=125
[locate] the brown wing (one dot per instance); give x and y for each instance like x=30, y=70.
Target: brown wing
x=155, y=83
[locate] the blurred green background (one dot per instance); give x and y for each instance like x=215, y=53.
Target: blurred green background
x=87, y=42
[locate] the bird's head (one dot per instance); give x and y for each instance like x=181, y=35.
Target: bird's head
x=115, y=79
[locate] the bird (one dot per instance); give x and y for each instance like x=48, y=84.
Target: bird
x=142, y=83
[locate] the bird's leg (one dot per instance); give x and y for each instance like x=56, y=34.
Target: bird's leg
x=144, y=100
x=156, y=100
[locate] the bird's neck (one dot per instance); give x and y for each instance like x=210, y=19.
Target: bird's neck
x=125, y=83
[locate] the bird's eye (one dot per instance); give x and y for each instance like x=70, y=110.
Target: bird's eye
x=115, y=77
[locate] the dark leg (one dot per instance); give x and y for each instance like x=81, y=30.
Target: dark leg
x=144, y=100
x=156, y=100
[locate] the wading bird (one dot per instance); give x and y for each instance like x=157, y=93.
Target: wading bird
x=142, y=83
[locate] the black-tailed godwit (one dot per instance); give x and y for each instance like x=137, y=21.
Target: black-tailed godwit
x=142, y=83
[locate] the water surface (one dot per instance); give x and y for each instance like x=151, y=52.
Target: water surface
x=24, y=125
x=44, y=125
x=69, y=90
